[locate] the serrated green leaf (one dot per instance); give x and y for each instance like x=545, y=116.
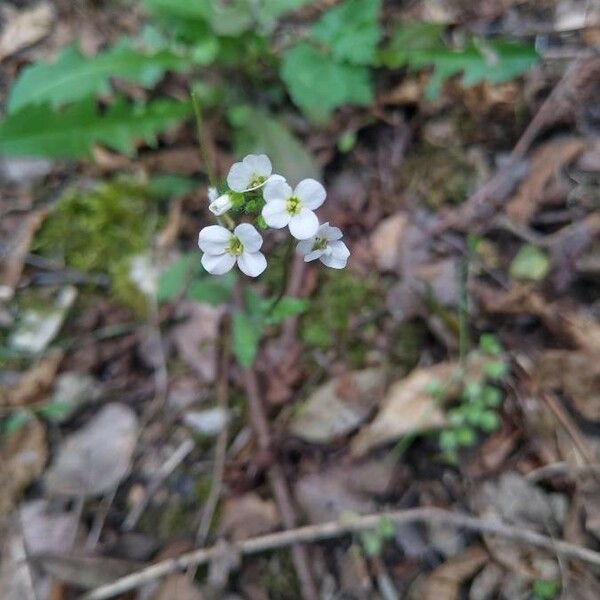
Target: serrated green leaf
x=318, y=84
x=421, y=44
x=36, y=130
x=246, y=337
x=74, y=76
x=261, y=132
x=351, y=31
x=173, y=280
x=530, y=263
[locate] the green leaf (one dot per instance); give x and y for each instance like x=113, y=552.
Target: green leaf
x=530, y=263
x=495, y=370
x=74, y=76
x=246, y=337
x=165, y=187
x=37, y=131
x=318, y=84
x=372, y=542
x=351, y=31
x=489, y=421
x=55, y=412
x=173, y=280
x=212, y=290
x=287, y=307
x=421, y=44
x=260, y=132
x=15, y=421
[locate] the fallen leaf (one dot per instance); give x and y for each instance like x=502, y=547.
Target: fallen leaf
x=326, y=414
x=19, y=247
x=545, y=163
x=530, y=263
x=23, y=171
x=247, y=516
x=45, y=529
x=445, y=582
x=25, y=28
x=407, y=408
x=196, y=339
x=486, y=582
x=37, y=327
x=34, y=384
x=207, y=422
x=385, y=241
x=94, y=459
x=576, y=375
x=178, y=586
x=22, y=460
x=85, y=571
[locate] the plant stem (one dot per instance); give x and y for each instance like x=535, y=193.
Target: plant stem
x=203, y=153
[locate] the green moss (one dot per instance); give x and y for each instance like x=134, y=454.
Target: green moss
x=342, y=298
x=99, y=230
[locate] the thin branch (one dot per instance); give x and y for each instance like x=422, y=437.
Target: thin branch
x=334, y=529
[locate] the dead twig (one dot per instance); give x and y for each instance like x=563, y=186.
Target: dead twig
x=334, y=529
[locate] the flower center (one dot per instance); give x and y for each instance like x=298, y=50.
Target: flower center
x=257, y=180
x=235, y=247
x=320, y=244
x=294, y=205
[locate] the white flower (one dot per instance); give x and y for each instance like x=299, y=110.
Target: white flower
x=327, y=246
x=294, y=208
x=213, y=194
x=220, y=205
x=222, y=248
x=250, y=174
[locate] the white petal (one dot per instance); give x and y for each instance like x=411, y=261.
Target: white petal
x=304, y=224
x=313, y=255
x=330, y=233
x=248, y=235
x=220, y=205
x=259, y=164
x=214, y=239
x=311, y=192
x=217, y=265
x=276, y=189
x=213, y=194
x=252, y=263
x=275, y=214
x=305, y=246
x=239, y=177
x=338, y=257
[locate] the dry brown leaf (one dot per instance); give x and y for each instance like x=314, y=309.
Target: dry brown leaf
x=338, y=406
x=545, y=163
x=444, y=583
x=576, y=375
x=196, y=338
x=247, y=516
x=94, y=459
x=561, y=318
x=385, y=241
x=85, y=571
x=178, y=586
x=34, y=384
x=46, y=530
x=25, y=28
x=407, y=408
x=22, y=460
x=18, y=250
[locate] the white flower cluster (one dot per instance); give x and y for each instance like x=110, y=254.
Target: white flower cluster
x=282, y=207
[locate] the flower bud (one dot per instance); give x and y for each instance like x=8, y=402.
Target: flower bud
x=221, y=205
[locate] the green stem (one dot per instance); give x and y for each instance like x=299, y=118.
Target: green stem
x=207, y=164
x=287, y=260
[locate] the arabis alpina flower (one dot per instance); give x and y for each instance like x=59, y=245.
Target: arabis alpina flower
x=250, y=174
x=223, y=248
x=285, y=206
x=220, y=205
x=327, y=246
x=213, y=193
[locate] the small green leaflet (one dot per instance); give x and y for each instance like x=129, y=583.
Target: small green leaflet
x=74, y=76
x=421, y=44
x=351, y=31
x=530, y=263
x=318, y=84
x=246, y=337
x=173, y=280
x=36, y=130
